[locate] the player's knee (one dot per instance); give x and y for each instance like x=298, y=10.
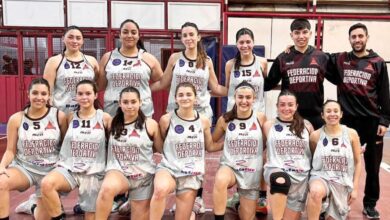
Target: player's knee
x=316, y=192
x=280, y=183
x=4, y=184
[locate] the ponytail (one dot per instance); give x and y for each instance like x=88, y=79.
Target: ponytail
x=117, y=124
x=230, y=115
x=297, y=125
x=237, y=62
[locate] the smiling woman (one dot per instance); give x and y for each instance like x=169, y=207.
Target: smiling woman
x=129, y=65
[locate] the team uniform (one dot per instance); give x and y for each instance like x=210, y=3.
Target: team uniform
x=132, y=154
x=253, y=74
x=364, y=97
x=69, y=73
x=288, y=153
x=185, y=71
x=38, y=146
x=121, y=72
x=303, y=74
x=333, y=164
x=183, y=152
x=242, y=152
x=83, y=157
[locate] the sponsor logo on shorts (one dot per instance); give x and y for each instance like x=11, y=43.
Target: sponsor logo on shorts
x=179, y=129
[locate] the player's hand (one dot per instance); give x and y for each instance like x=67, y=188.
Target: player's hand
x=3, y=171
x=381, y=130
x=288, y=49
x=352, y=197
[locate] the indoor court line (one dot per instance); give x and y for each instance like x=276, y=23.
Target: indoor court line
x=385, y=166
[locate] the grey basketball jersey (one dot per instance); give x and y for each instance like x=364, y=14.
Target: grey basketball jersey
x=183, y=152
x=84, y=146
x=121, y=72
x=69, y=73
x=131, y=153
x=253, y=74
x=185, y=71
x=288, y=152
x=333, y=158
x=38, y=143
x=243, y=150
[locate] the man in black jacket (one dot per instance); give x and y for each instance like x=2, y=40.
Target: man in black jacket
x=363, y=92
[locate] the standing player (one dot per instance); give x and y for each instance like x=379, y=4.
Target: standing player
x=253, y=69
x=194, y=66
x=82, y=156
x=364, y=97
x=130, y=165
x=65, y=70
x=33, y=144
x=302, y=71
x=336, y=165
x=288, y=158
x=129, y=65
x=241, y=161
x=186, y=134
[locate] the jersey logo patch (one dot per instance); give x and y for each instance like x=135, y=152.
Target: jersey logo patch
x=85, y=67
x=50, y=126
x=76, y=124
x=369, y=67
x=97, y=126
x=116, y=62
x=241, y=163
x=181, y=63
x=25, y=126
x=236, y=74
x=325, y=142
x=313, y=61
x=134, y=133
x=138, y=63
x=254, y=127
x=257, y=74
x=179, y=129
x=278, y=128
x=66, y=65
x=231, y=126
x=343, y=145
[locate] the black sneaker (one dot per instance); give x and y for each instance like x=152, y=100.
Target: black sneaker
x=371, y=213
x=78, y=210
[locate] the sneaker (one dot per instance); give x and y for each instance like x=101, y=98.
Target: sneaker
x=173, y=209
x=371, y=213
x=233, y=202
x=118, y=201
x=78, y=210
x=199, y=207
x=125, y=208
x=26, y=206
x=261, y=206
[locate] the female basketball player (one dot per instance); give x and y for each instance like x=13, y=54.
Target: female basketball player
x=194, y=66
x=336, y=166
x=33, y=144
x=186, y=134
x=64, y=71
x=288, y=158
x=130, y=165
x=129, y=65
x=82, y=156
x=241, y=162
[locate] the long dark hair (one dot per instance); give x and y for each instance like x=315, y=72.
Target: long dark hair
x=140, y=43
x=96, y=103
x=37, y=81
x=239, y=33
x=297, y=125
x=232, y=114
x=118, y=122
x=201, y=55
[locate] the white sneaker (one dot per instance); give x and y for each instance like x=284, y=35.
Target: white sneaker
x=25, y=207
x=199, y=207
x=125, y=208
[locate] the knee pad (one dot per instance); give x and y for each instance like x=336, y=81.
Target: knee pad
x=276, y=187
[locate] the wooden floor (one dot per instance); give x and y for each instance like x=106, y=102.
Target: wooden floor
x=212, y=164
